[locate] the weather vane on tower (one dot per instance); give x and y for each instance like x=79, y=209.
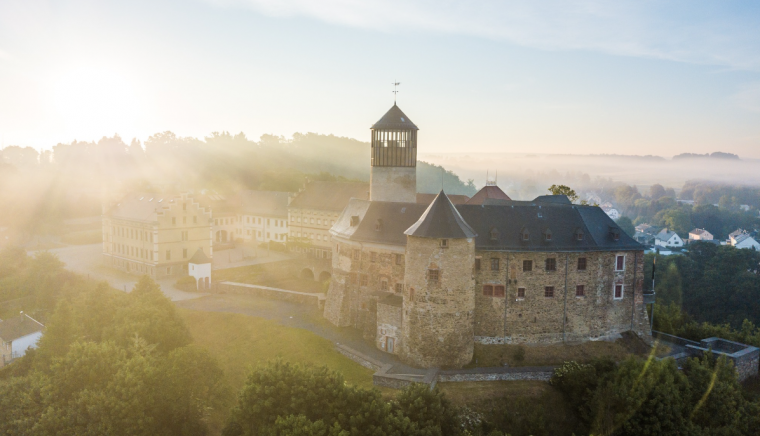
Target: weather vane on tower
x=395, y=91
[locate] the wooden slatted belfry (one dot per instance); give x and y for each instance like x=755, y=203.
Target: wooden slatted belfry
x=394, y=140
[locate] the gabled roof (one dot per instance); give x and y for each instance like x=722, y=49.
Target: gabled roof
x=426, y=199
x=488, y=191
x=700, y=232
x=18, y=327
x=332, y=196
x=394, y=119
x=199, y=258
x=559, y=199
x=141, y=206
x=441, y=220
x=665, y=235
x=509, y=218
x=265, y=203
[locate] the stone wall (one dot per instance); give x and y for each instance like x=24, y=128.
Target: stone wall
x=393, y=184
x=349, y=293
x=494, y=374
x=438, y=316
x=388, y=326
x=317, y=300
x=537, y=318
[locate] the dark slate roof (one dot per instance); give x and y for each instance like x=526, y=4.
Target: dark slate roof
x=426, y=199
x=441, y=220
x=199, y=258
x=488, y=191
x=266, y=203
x=560, y=199
x=331, y=196
x=509, y=218
x=18, y=327
x=394, y=119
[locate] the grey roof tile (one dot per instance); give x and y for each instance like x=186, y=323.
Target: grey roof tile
x=394, y=119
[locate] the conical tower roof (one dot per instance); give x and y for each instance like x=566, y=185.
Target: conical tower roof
x=394, y=119
x=441, y=220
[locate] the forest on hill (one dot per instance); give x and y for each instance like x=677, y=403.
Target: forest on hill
x=40, y=190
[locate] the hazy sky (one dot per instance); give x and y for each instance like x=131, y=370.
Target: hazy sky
x=625, y=77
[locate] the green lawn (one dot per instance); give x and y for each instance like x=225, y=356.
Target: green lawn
x=240, y=342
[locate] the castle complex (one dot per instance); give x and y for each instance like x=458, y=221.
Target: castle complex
x=426, y=282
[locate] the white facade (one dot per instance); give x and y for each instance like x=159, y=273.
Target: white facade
x=700, y=235
x=668, y=239
x=611, y=212
x=746, y=242
x=19, y=346
x=263, y=228
x=202, y=274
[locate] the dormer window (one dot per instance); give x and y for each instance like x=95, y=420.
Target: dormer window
x=354, y=220
x=379, y=225
x=524, y=234
x=615, y=233
x=547, y=235
x=444, y=243
x=578, y=234
x=494, y=234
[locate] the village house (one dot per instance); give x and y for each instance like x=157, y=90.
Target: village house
x=155, y=234
x=669, y=239
x=700, y=235
x=741, y=239
x=17, y=335
x=427, y=282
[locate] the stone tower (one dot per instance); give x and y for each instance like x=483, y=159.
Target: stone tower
x=394, y=158
x=439, y=301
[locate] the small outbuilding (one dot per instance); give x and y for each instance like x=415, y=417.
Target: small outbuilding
x=17, y=335
x=199, y=267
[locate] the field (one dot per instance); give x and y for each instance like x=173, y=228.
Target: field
x=240, y=342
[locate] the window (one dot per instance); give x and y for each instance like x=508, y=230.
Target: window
x=578, y=235
x=549, y=292
x=488, y=290
x=499, y=291
x=527, y=265
x=184, y=220
x=618, y=291
x=357, y=254
x=444, y=243
x=494, y=234
x=580, y=291
x=184, y=206
x=168, y=255
x=581, y=264
x=620, y=263
x=364, y=280
x=354, y=278
x=524, y=235
x=411, y=294
x=547, y=235
x=384, y=285
x=520, y=292
x=433, y=276
x=551, y=264
x=399, y=259
x=372, y=256
x=399, y=288
x=268, y=221
x=494, y=264
x=477, y=264
x=184, y=253
x=195, y=219
x=216, y=222
x=174, y=221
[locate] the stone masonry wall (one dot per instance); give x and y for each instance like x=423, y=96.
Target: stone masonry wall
x=536, y=318
x=388, y=326
x=438, y=317
x=349, y=294
x=393, y=184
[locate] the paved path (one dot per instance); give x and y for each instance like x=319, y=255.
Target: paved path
x=86, y=260
x=299, y=316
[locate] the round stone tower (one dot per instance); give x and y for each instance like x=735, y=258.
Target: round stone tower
x=394, y=158
x=439, y=298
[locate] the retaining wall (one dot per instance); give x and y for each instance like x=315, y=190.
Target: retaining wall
x=317, y=299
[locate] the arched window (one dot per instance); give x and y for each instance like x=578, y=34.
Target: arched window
x=494, y=234
x=524, y=234
x=547, y=235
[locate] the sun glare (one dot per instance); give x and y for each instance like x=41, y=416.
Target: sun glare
x=90, y=100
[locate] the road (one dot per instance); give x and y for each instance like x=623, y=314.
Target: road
x=86, y=260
